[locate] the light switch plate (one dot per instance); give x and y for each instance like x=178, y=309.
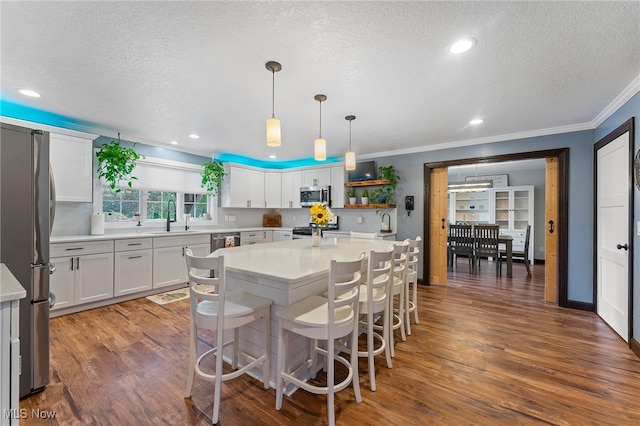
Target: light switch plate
x=359, y=219
x=638, y=229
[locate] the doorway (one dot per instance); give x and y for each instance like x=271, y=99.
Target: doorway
x=555, y=280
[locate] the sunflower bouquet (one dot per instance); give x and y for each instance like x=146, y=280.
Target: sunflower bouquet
x=321, y=214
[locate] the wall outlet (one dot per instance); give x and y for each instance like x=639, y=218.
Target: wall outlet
x=226, y=218
x=232, y=218
x=360, y=219
x=638, y=229
x=294, y=218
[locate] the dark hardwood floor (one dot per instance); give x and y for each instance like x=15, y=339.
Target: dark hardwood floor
x=487, y=351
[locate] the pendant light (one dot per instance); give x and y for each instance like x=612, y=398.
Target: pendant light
x=320, y=145
x=350, y=156
x=273, y=124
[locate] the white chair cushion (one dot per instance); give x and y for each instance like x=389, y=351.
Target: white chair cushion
x=313, y=312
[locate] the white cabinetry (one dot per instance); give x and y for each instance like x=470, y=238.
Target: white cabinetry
x=84, y=272
x=470, y=207
x=282, y=235
x=337, y=187
x=291, y=183
x=71, y=162
x=255, y=237
x=316, y=177
x=513, y=212
x=243, y=188
x=272, y=189
x=133, y=266
x=169, y=264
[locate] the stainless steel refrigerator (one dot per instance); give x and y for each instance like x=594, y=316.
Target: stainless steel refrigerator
x=26, y=210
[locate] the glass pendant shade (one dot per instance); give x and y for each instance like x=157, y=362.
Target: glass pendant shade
x=273, y=132
x=350, y=160
x=320, y=150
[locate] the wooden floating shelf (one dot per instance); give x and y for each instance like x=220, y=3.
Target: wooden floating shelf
x=369, y=206
x=367, y=183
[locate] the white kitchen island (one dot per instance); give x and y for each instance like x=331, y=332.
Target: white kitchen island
x=286, y=272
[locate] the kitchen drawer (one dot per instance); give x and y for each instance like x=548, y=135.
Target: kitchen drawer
x=181, y=240
x=80, y=248
x=255, y=237
x=133, y=244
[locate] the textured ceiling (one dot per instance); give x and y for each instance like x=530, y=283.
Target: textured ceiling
x=157, y=71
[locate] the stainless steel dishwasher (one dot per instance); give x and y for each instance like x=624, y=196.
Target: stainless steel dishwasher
x=222, y=240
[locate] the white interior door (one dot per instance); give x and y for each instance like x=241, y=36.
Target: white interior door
x=612, y=206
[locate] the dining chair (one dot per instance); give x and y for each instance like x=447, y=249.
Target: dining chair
x=374, y=304
x=486, y=240
x=411, y=289
x=321, y=318
x=219, y=311
x=365, y=235
x=524, y=254
x=461, y=243
x=396, y=317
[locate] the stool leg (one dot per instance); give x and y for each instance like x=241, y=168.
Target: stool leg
x=280, y=366
x=406, y=308
x=266, y=364
x=218, y=380
x=192, y=359
x=415, y=301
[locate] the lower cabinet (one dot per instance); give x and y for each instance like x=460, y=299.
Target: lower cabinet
x=133, y=266
x=255, y=237
x=169, y=264
x=282, y=235
x=84, y=274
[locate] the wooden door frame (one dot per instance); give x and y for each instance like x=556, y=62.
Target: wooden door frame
x=562, y=154
x=627, y=126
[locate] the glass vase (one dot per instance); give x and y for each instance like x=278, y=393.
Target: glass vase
x=316, y=237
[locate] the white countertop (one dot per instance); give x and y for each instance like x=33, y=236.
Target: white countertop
x=157, y=232
x=294, y=260
x=10, y=288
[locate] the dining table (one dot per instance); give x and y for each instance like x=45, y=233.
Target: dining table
x=287, y=272
x=507, y=240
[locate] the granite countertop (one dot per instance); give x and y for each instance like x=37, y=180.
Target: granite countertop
x=157, y=233
x=10, y=288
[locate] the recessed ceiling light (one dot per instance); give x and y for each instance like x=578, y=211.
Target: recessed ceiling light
x=272, y=156
x=461, y=45
x=194, y=136
x=31, y=93
x=174, y=143
x=476, y=121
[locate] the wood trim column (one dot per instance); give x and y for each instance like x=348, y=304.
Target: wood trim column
x=438, y=226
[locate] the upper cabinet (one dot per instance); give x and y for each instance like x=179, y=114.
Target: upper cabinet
x=71, y=163
x=471, y=207
x=337, y=187
x=243, y=188
x=272, y=189
x=316, y=177
x=291, y=183
x=514, y=207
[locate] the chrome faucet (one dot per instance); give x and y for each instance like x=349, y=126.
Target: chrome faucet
x=169, y=214
x=186, y=222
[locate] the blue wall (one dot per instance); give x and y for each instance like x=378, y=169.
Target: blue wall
x=630, y=109
x=580, y=144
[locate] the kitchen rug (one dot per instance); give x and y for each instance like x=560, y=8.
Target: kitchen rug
x=175, y=295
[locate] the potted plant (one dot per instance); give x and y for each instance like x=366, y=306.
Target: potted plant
x=365, y=196
x=212, y=175
x=351, y=194
x=384, y=194
x=116, y=163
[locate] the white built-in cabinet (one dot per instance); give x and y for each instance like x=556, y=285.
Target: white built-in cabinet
x=169, y=264
x=470, y=207
x=272, y=189
x=513, y=212
x=255, y=237
x=316, y=177
x=291, y=183
x=337, y=187
x=11, y=293
x=243, y=188
x=133, y=267
x=84, y=272
x=282, y=235
x=71, y=163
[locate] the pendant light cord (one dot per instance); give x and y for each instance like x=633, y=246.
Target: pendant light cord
x=320, y=133
x=273, y=94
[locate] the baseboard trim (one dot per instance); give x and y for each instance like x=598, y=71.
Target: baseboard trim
x=583, y=306
x=635, y=346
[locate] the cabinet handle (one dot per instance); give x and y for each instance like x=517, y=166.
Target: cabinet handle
x=134, y=244
x=71, y=263
x=625, y=246
x=135, y=257
x=77, y=263
x=74, y=248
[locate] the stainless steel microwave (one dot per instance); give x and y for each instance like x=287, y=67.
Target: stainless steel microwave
x=315, y=194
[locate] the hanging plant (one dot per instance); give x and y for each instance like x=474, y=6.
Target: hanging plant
x=116, y=163
x=212, y=175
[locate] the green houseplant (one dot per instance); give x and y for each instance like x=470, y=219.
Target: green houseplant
x=351, y=194
x=212, y=175
x=384, y=194
x=116, y=163
x=365, y=196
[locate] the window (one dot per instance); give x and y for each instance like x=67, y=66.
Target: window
x=157, y=204
x=195, y=205
x=125, y=202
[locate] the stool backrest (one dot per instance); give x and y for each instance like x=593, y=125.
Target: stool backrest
x=344, y=292
x=206, y=271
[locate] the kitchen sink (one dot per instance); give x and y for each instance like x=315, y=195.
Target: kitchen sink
x=176, y=232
